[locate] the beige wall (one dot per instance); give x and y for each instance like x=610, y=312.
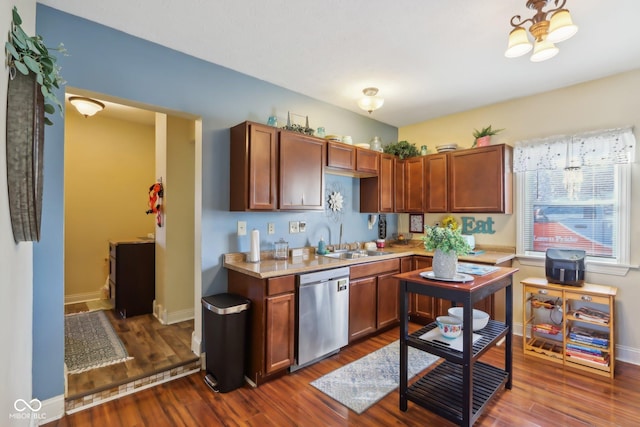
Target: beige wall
x=175, y=163
x=606, y=103
x=109, y=166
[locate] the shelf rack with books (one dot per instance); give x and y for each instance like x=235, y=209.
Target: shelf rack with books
x=570, y=325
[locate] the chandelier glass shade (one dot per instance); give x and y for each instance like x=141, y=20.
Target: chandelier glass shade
x=370, y=101
x=545, y=32
x=86, y=106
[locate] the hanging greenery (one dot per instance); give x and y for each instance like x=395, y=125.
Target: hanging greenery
x=30, y=55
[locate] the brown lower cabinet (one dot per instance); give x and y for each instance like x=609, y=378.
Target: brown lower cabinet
x=424, y=309
x=271, y=334
x=373, y=297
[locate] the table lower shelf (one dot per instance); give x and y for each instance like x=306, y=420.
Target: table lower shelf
x=440, y=390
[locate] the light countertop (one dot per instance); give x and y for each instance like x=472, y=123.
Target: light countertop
x=309, y=261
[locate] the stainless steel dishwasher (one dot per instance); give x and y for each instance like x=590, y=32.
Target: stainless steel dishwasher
x=323, y=315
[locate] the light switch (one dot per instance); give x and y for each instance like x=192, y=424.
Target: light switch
x=242, y=228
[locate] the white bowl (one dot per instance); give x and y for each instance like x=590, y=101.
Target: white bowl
x=480, y=318
x=450, y=327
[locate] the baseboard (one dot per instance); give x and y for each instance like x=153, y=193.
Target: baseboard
x=179, y=316
x=83, y=297
x=52, y=409
x=196, y=344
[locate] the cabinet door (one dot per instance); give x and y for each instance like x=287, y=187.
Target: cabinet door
x=302, y=160
x=388, y=300
x=279, y=332
x=400, y=183
x=436, y=184
x=421, y=306
x=367, y=160
x=386, y=180
x=362, y=307
x=414, y=185
x=377, y=193
x=341, y=156
x=480, y=180
x=253, y=167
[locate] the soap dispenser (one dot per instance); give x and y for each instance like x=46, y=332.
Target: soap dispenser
x=322, y=247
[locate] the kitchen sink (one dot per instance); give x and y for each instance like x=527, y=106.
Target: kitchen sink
x=356, y=254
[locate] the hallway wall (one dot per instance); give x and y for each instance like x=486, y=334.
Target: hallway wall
x=109, y=167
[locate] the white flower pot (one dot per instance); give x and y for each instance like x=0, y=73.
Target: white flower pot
x=445, y=264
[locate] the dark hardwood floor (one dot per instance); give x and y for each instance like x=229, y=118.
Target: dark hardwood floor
x=153, y=346
x=542, y=395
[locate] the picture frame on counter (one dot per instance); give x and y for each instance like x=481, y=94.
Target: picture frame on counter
x=416, y=223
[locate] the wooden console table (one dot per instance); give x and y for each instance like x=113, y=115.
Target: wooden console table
x=460, y=387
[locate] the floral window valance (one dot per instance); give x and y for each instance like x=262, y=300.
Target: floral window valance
x=611, y=146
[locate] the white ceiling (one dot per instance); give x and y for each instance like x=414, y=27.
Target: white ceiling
x=429, y=58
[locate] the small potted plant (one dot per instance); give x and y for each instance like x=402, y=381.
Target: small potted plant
x=28, y=55
x=402, y=149
x=483, y=136
x=446, y=243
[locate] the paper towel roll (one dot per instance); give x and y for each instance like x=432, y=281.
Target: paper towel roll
x=254, y=248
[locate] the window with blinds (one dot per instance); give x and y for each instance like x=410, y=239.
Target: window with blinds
x=572, y=216
x=575, y=193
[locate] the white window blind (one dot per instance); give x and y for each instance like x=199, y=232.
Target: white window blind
x=575, y=192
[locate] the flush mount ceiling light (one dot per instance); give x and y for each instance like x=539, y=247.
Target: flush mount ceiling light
x=370, y=101
x=86, y=106
x=545, y=32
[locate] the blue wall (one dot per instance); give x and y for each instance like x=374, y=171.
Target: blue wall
x=107, y=61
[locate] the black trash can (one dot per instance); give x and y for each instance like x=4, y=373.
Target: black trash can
x=225, y=319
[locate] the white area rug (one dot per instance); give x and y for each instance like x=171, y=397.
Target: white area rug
x=365, y=381
x=91, y=342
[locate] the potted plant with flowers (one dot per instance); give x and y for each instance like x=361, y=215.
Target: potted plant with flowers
x=446, y=243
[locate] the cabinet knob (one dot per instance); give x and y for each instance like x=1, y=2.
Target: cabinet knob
x=543, y=292
x=586, y=298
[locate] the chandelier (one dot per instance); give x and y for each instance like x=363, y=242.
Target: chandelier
x=370, y=101
x=545, y=32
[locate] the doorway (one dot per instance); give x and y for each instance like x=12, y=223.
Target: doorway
x=111, y=159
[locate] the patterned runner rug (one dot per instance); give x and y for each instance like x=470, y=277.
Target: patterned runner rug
x=91, y=342
x=365, y=381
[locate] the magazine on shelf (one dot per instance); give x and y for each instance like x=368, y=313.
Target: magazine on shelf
x=582, y=349
x=603, y=361
x=592, y=314
x=589, y=336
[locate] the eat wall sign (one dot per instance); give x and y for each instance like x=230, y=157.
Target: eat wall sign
x=471, y=225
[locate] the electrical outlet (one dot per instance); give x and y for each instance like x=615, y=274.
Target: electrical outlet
x=302, y=226
x=271, y=228
x=242, y=228
x=294, y=227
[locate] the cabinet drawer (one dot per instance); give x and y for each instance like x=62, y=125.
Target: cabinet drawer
x=543, y=292
x=587, y=298
x=279, y=285
x=374, y=268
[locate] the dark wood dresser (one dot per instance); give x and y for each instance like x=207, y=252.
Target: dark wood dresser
x=132, y=276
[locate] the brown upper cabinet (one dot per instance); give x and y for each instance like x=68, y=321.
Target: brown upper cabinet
x=480, y=180
x=414, y=184
x=341, y=157
x=377, y=193
x=367, y=161
x=272, y=169
x=436, y=184
x=302, y=160
x=399, y=192
x=253, y=167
